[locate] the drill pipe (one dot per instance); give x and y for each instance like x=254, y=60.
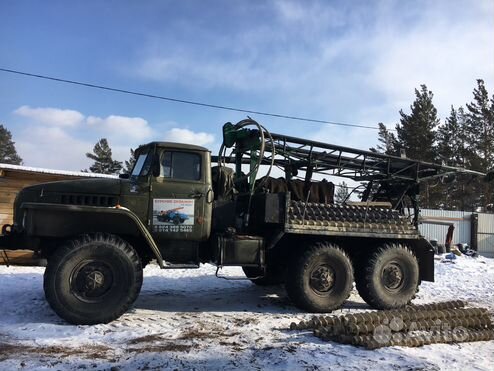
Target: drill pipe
x=410, y=312
x=447, y=336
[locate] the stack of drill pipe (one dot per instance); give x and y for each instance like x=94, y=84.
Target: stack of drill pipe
x=347, y=216
x=414, y=325
x=417, y=340
x=320, y=321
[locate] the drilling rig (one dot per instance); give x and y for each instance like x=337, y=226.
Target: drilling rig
x=97, y=235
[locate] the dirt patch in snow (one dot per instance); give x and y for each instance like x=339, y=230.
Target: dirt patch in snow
x=145, y=339
x=168, y=346
x=8, y=350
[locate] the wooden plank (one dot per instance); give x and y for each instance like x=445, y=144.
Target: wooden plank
x=17, y=183
x=20, y=257
x=6, y=203
x=10, y=189
x=7, y=200
x=38, y=177
x=6, y=196
x=6, y=219
x=6, y=209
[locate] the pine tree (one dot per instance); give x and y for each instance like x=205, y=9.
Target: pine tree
x=341, y=193
x=480, y=139
x=452, y=151
x=130, y=163
x=416, y=135
x=388, y=142
x=8, y=153
x=416, y=131
x=451, y=139
x=103, y=162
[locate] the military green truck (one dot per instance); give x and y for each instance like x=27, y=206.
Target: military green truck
x=97, y=235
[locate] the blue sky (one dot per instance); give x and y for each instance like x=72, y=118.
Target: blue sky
x=349, y=61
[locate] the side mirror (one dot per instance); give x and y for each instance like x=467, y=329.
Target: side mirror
x=155, y=167
x=124, y=176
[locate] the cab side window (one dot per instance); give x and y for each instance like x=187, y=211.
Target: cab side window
x=181, y=165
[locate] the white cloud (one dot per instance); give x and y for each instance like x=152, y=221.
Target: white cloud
x=352, y=62
x=51, y=116
x=448, y=56
x=52, y=147
x=189, y=136
x=59, y=138
x=121, y=128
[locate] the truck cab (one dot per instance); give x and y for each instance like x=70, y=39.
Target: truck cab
x=171, y=186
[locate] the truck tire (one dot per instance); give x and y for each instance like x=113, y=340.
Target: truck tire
x=275, y=275
x=93, y=279
x=176, y=220
x=320, y=279
x=390, y=277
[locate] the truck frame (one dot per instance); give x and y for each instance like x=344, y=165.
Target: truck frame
x=175, y=208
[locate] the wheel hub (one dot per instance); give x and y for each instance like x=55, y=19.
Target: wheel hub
x=322, y=278
x=94, y=280
x=90, y=281
x=392, y=276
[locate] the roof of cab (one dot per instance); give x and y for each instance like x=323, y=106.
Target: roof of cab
x=174, y=145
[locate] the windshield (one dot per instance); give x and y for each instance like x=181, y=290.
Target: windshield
x=142, y=165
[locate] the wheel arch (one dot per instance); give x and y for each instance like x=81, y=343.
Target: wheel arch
x=54, y=221
x=358, y=248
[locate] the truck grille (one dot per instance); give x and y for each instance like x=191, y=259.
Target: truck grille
x=88, y=200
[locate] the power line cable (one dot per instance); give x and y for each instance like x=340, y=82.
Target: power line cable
x=184, y=101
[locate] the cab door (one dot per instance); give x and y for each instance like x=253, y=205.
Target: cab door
x=180, y=206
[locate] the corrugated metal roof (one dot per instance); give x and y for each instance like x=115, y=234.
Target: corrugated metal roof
x=29, y=169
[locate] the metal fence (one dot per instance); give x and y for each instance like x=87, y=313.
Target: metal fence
x=483, y=230
x=485, y=235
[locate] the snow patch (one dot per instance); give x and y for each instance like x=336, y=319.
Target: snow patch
x=188, y=319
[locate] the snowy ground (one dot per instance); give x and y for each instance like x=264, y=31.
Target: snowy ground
x=188, y=319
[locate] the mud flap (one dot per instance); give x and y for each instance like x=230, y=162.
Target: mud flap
x=424, y=252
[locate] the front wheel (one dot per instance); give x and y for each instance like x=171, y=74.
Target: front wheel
x=389, y=278
x=320, y=279
x=93, y=279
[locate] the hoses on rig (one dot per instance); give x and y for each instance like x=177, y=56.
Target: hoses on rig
x=254, y=167
x=263, y=133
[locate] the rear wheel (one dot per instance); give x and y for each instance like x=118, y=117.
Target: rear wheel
x=320, y=279
x=390, y=277
x=93, y=279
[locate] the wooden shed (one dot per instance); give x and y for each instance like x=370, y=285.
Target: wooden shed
x=15, y=177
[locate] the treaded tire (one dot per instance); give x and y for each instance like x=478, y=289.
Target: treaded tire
x=370, y=280
x=302, y=270
x=275, y=275
x=102, y=258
